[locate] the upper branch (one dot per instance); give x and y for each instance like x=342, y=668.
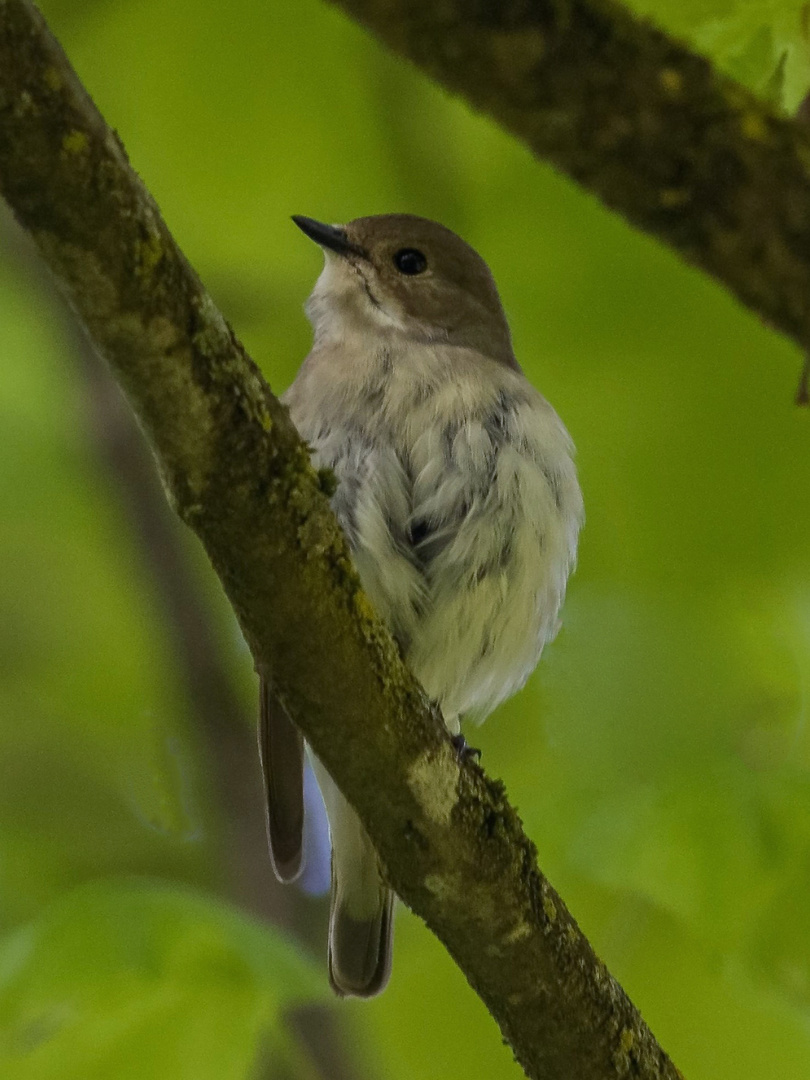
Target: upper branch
x=651, y=128
x=238, y=474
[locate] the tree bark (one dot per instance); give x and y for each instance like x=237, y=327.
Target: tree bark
x=652, y=129
x=239, y=476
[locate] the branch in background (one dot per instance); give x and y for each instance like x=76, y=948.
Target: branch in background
x=652, y=129
x=803, y=392
x=803, y=119
x=238, y=474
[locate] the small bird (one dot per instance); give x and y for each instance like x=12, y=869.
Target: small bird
x=457, y=492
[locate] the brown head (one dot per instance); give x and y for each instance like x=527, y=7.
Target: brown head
x=408, y=274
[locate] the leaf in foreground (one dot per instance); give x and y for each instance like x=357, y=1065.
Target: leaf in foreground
x=140, y=979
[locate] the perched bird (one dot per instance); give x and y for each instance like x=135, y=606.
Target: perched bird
x=459, y=498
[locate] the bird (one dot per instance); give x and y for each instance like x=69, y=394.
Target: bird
x=458, y=495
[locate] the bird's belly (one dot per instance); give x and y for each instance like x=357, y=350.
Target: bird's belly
x=476, y=644
x=463, y=534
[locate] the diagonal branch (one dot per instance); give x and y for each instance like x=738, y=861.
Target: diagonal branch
x=649, y=127
x=237, y=473
x=230, y=754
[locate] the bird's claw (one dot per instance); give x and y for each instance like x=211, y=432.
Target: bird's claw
x=464, y=752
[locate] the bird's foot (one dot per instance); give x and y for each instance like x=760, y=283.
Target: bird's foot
x=464, y=752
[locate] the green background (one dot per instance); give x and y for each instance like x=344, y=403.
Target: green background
x=660, y=756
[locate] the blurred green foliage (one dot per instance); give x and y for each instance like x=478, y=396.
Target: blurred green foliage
x=132, y=980
x=762, y=43
x=660, y=756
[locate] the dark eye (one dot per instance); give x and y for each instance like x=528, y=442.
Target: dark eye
x=410, y=261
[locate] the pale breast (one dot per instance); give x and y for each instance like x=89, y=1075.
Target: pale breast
x=459, y=498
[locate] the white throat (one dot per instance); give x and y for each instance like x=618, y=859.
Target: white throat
x=345, y=310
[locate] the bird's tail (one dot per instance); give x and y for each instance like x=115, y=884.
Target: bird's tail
x=281, y=749
x=361, y=913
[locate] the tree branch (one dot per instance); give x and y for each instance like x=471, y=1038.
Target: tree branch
x=651, y=128
x=238, y=474
x=229, y=747
x=201, y=670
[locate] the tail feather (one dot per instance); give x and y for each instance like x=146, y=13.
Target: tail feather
x=281, y=749
x=361, y=916
x=360, y=950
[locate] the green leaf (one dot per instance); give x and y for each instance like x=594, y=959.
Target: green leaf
x=136, y=978
x=762, y=43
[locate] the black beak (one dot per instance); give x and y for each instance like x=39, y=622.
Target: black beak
x=328, y=236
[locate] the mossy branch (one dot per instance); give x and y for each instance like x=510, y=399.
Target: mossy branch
x=648, y=126
x=237, y=473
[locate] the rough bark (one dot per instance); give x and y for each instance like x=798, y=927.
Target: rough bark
x=651, y=128
x=237, y=473
x=230, y=761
